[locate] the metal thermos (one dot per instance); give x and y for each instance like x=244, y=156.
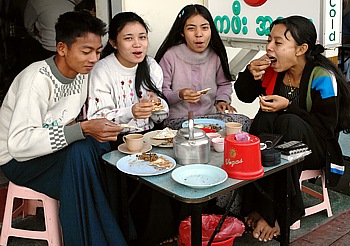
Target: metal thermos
x=191, y=145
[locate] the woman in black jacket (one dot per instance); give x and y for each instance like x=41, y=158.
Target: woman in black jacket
x=302, y=96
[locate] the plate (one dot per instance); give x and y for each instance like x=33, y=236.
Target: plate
x=162, y=111
x=199, y=175
x=148, y=137
x=122, y=148
x=206, y=122
x=130, y=165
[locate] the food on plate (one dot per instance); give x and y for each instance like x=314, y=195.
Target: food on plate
x=165, y=134
x=147, y=157
x=215, y=127
x=204, y=91
x=157, y=106
x=198, y=125
x=159, y=162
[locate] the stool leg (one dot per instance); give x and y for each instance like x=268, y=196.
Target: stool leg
x=52, y=224
x=325, y=196
x=7, y=221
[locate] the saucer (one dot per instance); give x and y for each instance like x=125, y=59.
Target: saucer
x=122, y=148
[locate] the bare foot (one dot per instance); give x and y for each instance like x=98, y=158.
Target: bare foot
x=252, y=219
x=264, y=232
x=169, y=240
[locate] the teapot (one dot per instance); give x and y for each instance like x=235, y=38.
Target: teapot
x=191, y=144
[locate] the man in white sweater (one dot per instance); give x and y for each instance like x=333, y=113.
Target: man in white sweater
x=43, y=147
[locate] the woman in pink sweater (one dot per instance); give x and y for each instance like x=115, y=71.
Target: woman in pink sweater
x=193, y=58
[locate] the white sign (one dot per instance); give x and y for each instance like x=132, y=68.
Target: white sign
x=243, y=19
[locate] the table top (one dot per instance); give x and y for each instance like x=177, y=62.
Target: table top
x=167, y=185
x=344, y=141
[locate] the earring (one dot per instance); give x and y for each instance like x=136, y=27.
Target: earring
x=115, y=47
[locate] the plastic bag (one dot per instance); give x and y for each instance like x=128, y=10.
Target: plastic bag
x=230, y=229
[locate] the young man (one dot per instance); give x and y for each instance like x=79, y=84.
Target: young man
x=43, y=147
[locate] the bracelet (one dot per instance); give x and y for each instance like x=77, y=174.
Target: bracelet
x=289, y=103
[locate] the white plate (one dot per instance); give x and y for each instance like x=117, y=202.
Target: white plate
x=130, y=165
x=199, y=175
x=162, y=111
x=148, y=137
x=122, y=148
x=206, y=122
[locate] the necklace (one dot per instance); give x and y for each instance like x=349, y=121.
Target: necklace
x=291, y=88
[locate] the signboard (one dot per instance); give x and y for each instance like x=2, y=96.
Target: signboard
x=249, y=20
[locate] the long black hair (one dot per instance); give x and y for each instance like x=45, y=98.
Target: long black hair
x=304, y=32
x=143, y=77
x=175, y=35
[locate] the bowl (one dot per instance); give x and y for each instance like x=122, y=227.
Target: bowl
x=218, y=144
x=212, y=135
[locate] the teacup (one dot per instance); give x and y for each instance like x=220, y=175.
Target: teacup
x=233, y=127
x=134, y=141
x=218, y=144
x=212, y=135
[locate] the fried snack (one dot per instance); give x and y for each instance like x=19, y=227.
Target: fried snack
x=158, y=162
x=204, y=91
x=147, y=157
x=161, y=163
x=157, y=106
x=166, y=133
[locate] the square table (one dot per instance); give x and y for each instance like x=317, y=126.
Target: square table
x=197, y=197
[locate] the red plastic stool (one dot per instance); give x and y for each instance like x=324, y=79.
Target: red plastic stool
x=31, y=200
x=325, y=204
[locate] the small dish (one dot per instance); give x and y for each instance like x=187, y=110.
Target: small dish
x=122, y=148
x=199, y=175
x=218, y=144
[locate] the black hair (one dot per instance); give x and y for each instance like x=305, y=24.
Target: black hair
x=175, y=35
x=304, y=32
x=74, y=24
x=143, y=77
x=86, y=5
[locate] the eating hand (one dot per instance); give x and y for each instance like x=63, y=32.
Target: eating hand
x=273, y=103
x=189, y=95
x=257, y=67
x=223, y=106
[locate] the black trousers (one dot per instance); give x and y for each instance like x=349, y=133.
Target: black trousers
x=291, y=127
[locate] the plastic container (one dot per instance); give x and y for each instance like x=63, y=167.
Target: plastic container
x=242, y=159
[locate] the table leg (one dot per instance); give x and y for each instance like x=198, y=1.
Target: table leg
x=124, y=207
x=196, y=224
x=284, y=216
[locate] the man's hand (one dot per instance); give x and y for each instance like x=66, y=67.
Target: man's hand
x=189, y=95
x=102, y=130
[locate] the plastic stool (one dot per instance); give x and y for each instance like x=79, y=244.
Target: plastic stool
x=31, y=200
x=325, y=204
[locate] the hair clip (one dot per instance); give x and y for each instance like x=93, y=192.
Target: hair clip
x=182, y=13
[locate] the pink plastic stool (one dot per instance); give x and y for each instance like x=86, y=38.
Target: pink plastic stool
x=31, y=200
x=325, y=204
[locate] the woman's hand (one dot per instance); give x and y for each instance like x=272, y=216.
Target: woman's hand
x=273, y=103
x=189, y=95
x=223, y=106
x=143, y=109
x=257, y=67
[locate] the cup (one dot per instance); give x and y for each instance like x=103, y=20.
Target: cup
x=218, y=144
x=212, y=135
x=233, y=127
x=134, y=142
